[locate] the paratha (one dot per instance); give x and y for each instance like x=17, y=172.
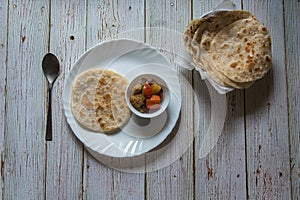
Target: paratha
x=245, y=46
x=95, y=93
x=233, y=47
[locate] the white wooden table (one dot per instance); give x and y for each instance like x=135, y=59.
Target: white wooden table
x=257, y=156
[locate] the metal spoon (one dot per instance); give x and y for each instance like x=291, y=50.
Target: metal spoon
x=51, y=67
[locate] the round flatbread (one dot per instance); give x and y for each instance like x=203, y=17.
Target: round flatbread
x=94, y=95
x=245, y=46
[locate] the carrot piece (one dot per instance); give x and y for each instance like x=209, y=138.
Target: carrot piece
x=155, y=99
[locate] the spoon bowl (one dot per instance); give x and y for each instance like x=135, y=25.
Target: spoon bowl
x=51, y=69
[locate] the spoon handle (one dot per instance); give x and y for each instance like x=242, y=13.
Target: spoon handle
x=49, y=117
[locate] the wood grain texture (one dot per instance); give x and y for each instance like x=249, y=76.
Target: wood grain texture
x=3, y=67
x=267, y=115
x=24, y=134
x=174, y=181
x=65, y=152
x=257, y=156
x=222, y=174
x=104, y=20
x=292, y=22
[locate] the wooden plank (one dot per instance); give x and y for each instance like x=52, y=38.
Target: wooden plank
x=222, y=174
x=292, y=35
x=105, y=19
x=24, y=134
x=176, y=180
x=65, y=152
x=3, y=67
x=267, y=115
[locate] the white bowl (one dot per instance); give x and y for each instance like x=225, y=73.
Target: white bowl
x=165, y=100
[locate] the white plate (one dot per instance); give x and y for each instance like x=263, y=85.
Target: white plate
x=130, y=58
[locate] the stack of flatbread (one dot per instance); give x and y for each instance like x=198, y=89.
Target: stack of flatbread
x=233, y=47
x=98, y=100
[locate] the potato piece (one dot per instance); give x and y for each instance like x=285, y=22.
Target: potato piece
x=137, y=101
x=155, y=88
